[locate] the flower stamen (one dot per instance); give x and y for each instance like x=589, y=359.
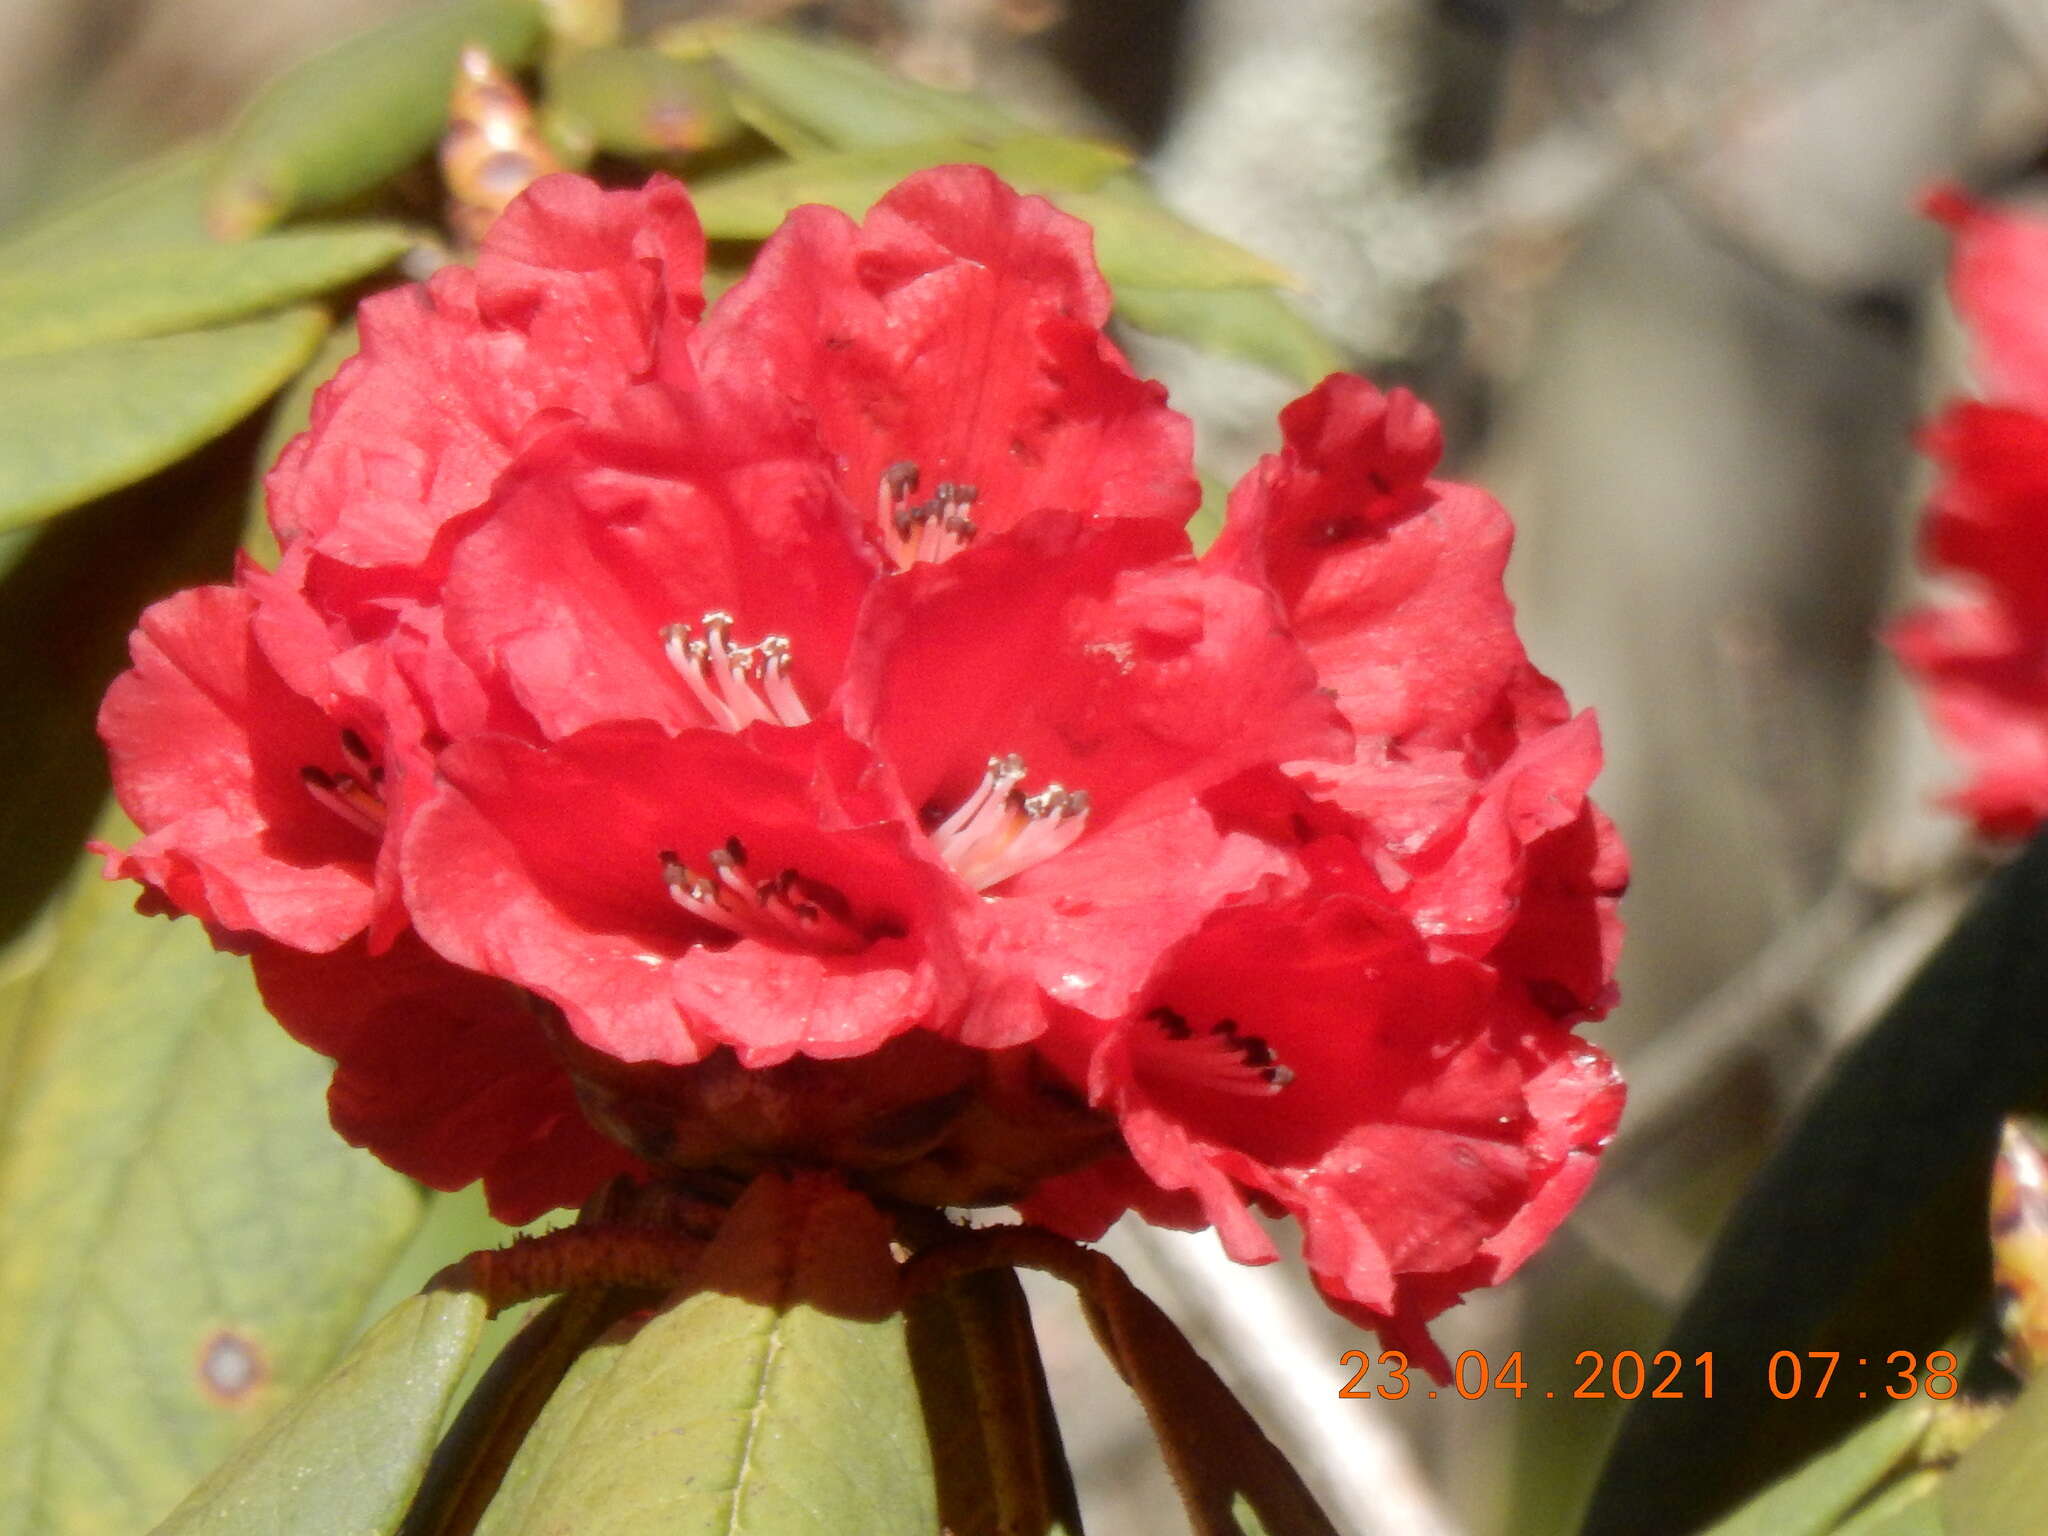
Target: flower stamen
x=932, y=530
x=352, y=799
x=784, y=906
x=737, y=685
x=1219, y=1057
x=997, y=831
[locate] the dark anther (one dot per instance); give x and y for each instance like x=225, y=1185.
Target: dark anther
x=354, y=745
x=1171, y=1024
x=318, y=778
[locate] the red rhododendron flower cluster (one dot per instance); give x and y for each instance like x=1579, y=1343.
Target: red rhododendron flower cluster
x=802, y=730
x=1981, y=654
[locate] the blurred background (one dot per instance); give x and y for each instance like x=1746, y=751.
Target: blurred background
x=1657, y=263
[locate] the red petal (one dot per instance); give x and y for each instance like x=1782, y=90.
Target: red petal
x=1094, y=651
x=959, y=329
x=1997, y=275
x=444, y=1074
x=546, y=867
x=567, y=306
x=700, y=502
x=1432, y=1132
x=1392, y=582
x=208, y=746
x=1982, y=656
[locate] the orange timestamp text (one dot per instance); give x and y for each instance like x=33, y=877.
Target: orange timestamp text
x=1628, y=1375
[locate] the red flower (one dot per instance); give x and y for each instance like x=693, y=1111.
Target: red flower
x=1387, y=1055
x=1981, y=654
x=807, y=733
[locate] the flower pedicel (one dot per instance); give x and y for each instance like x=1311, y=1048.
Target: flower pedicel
x=802, y=732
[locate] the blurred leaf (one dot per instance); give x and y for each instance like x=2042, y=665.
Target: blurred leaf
x=1137, y=242
x=76, y=424
x=1140, y=244
x=21, y=962
x=289, y=416
x=1865, y=1233
x=66, y=608
x=188, y=1243
x=2000, y=1485
x=14, y=543
x=848, y=103
x=1254, y=324
x=339, y=124
x=988, y=1413
x=1912, y=1508
x=1220, y=1459
x=637, y=102
x=182, y=288
x=777, y=1398
x=1208, y=519
x=348, y=1454
x=750, y=204
x=158, y=203
x=845, y=100
x=1809, y=1501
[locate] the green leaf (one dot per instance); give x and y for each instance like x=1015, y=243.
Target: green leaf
x=988, y=1413
x=2000, y=1485
x=638, y=103
x=341, y=123
x=182, y=288
x=188, y=1242
x=1254, y=324
x=76, y=424
x=1865, y=1233
x=1809, y=1501
x=846, y=101
x=158, y=203
x=348, y=1454
x=778, y=1397
x=749, y=205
